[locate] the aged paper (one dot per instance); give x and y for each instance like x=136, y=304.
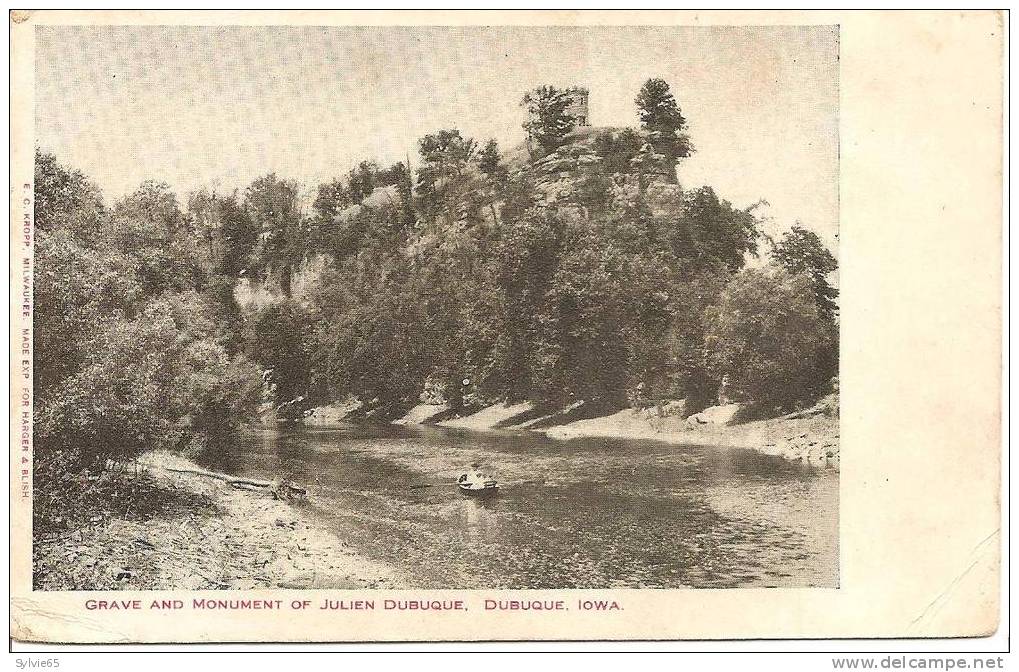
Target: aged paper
x=303, y=356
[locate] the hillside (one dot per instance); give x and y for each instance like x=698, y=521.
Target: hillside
x=561, y=271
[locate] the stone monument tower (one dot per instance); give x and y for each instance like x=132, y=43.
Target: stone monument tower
x=578, y=105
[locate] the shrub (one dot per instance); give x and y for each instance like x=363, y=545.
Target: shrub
x=146, y=383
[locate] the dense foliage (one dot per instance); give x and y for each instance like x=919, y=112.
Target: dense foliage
x=767, y=341
x=579, y=272
x=583, y=273
x=134, y=334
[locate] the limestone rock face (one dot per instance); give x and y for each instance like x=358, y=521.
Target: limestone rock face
x=577, y=165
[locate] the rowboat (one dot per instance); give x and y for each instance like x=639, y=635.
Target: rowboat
x=477, y=484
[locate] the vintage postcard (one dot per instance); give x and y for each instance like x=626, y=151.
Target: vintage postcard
x=449, y=326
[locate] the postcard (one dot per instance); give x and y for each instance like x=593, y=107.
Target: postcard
x=459, y=326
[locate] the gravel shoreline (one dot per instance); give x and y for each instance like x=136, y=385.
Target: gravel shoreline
x=211, y=537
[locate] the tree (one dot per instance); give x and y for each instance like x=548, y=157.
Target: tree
x=239, y=232
x=373, y=339
x=272, y=203
x=149, y=228
x=525, y=260
x=618, y=149
x=332, y=198
x=661, y=118
x=225, y=231
x=707, y=232
x=548, y=123
x=155, y=206
x=801, y=251
x=398, y=175
x=65, y=199
x=225, y=236
x=490, y=162
x=277, y=338
x=203, y=212
x=362, y=180
x=767, y=341
x=447, y=177
x=274, y=208
x=592, y=309
x=75, y=282
x=689, y=375
x=77, y=287
x=393, y=175
x=496, y=174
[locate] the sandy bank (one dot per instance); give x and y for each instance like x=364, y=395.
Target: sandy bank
x=490, y=417
x=421, y=414
x=210, y=536
x=814, y=440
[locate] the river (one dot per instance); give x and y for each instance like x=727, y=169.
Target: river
x=588, y=513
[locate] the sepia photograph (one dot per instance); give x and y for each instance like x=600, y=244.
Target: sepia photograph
x=428, y=307
x=506, y=326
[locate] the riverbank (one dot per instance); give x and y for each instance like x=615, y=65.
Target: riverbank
x=203, y=535
x=813, y=439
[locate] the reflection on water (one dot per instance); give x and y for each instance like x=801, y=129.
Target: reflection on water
x=588, y=513
x=480, y=520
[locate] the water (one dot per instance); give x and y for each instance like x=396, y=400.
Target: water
x=589, y=513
